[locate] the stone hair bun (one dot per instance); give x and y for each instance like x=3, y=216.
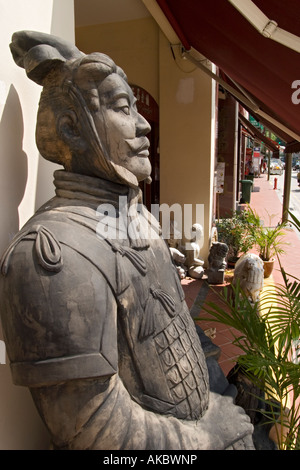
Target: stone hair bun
x=38, y=53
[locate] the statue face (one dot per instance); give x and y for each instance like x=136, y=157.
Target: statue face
x=121, y=129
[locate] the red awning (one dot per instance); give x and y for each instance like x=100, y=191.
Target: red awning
x=270, y=144
x=265, y=69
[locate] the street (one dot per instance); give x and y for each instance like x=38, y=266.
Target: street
x=294, y=194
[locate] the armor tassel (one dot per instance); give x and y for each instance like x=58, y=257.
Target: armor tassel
x=47, y=249
x=147, y=326
x=165, y=299
x=122, y=281
x=136, y=258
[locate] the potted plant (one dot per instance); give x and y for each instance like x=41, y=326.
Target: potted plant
x=234, y=231
x=268, y=239
x=268, y=335
x=269, y=346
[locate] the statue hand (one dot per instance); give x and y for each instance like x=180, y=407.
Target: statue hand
x=224, y=425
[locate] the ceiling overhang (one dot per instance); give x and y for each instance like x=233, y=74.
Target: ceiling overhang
x=256, y=68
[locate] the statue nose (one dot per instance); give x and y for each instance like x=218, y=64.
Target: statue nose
x=142, y=127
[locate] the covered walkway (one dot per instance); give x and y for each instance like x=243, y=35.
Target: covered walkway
x=266, y=202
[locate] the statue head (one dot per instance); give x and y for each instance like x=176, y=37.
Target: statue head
x=197, y=232
x=87, y=118
x=218, y=250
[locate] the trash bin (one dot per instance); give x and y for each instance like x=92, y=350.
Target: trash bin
x=246, y=191
x=251, y=178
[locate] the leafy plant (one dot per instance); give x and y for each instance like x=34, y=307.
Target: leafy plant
x=267, y=343
x=269, y=332
x=268, y=239
x=234, y=231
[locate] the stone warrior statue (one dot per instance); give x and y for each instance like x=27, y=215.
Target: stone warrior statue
x=93, y=313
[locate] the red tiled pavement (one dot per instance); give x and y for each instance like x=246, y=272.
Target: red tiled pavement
x=224, y=336
x=265, y=201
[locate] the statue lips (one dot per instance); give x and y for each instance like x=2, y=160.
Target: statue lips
x=139, y=146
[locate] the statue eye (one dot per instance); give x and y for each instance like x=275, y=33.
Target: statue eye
x=125, y=109
x=122, y=104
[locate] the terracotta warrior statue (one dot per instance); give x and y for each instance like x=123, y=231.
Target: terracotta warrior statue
x=92, y=309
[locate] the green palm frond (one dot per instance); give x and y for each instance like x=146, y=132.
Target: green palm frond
x=267, y=333
x=295, y=221
x=269, y=240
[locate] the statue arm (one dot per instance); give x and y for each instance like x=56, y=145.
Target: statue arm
x=104, y=416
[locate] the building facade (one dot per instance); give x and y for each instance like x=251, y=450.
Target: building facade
x=182, y=103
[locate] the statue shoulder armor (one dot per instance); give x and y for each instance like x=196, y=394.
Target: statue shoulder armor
x=56, y=287
x=50, y=235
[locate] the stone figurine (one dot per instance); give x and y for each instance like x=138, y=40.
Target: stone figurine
x=174, y=243
x=93, y=313
x=249, y=272
x=193, y=249
x=217, y=263
x=179, y=260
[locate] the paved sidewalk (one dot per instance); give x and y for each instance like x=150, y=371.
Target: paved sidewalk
x=266, y=202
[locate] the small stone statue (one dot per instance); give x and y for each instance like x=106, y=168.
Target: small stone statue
x=217, y=263
x=249, y=272
x=179, y=260
x=193, y=249
x=93, y=313
x=178, y=256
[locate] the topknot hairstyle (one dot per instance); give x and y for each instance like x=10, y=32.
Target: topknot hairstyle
x=70, y=81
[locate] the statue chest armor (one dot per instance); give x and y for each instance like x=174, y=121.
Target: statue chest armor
x=164, y=367
x=160, y=358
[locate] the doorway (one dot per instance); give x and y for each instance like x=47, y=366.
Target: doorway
x=149, y=109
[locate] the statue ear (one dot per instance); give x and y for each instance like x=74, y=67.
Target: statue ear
x=68, y=129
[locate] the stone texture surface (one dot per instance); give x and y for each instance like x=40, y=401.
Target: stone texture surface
x=249, y=273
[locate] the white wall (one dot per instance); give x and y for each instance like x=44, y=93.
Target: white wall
x=187, y=134
x=25, y=182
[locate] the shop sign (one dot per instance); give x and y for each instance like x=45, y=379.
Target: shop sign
x=256, y=152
